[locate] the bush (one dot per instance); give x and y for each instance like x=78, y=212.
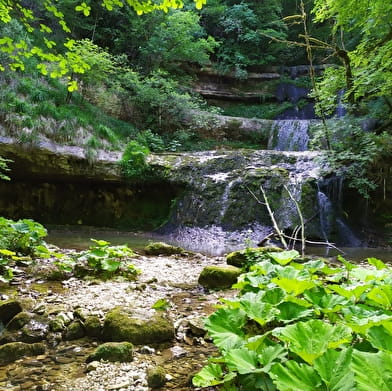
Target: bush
x=133, y=162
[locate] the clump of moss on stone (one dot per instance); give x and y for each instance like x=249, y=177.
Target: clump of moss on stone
x=120, y=326
x=112, y=351
x=219, y=277
x=161, y=248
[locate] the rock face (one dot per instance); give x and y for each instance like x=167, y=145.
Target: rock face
x=120, y=326
x=214, y=188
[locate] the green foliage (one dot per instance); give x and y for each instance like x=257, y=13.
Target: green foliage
x=264, y=111
x=103, y=261
x=133, y=162
x=178, y=39
x=55, y=57
x=303, y=334
x=4, y=168
x=355, y=155
x=20, y=240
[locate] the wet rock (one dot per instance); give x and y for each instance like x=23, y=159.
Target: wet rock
x=196, y=326
x=13, y=351
x=93, y=326
x=219, y=277
x=156, y=377
x=34, y=331
x=120, y=326
x=240, y=258
x=75, y=330
x=8, y=309
x=112, y=351
x=161, y=248
x=18, y=321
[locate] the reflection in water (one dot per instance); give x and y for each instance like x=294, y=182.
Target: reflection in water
x=212, y=242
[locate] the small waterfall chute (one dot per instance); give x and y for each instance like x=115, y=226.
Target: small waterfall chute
x=289, y=135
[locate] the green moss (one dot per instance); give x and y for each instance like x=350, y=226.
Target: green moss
x=240, y=258
x=161, y=248
x=13, y=351
x=120, y=326
x=112, y=351
x=219, y=277
x=18, y=321
x=156, y=377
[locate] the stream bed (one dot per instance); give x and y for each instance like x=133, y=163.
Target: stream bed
x=63, y=366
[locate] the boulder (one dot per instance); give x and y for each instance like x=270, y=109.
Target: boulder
x=120, y=326
x=93, y=326
x=75, y=330
x=8, y=309
x=112, y=351
x=161, y=248
x=18, y=321
x=13, y=351
x=156, y=377
x=241, y=258
x=219, y=277
x=35, y=330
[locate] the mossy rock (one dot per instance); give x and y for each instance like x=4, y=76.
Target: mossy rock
x=93, y=326
x=8, y=309
x=13, y=351
x=75, y=330
x=161, y=248
x=112, y=351
x=18, y=321
x=239, y=258
x=35, y=330
x=120, y=326
x=219, y=277
x=156, y=377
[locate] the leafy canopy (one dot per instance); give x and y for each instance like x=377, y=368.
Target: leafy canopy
x=43, y=20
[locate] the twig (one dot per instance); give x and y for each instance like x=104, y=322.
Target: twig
x=301, y=219
x=271, y=214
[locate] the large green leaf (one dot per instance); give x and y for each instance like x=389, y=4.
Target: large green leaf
x=270, y=355
x=295, y=377
x=242, y=360
x=293, y=286
x=311, y=339
x=257, y=310
x=211, y=375
x=352, y=292
x=373, y=371
x=110, y=265
x=334, y=368
x=377, y=263
x=284, y=257
x=381, y=296
x=225, y=327
x=292, y=311
x=324, y=301
x=273, y=296
x=381, y=336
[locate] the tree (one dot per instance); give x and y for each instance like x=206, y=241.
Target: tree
x=368, y=60
x=43, y=20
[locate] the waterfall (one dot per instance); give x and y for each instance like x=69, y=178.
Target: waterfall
x=226, y=197
x=289, y=135
x=332, y=224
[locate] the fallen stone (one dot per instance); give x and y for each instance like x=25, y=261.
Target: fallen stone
x=120, y=326
x=156, y=377
x=161, y=248
x=219, y=277
x=13, y=351
x=112, y=351
x=8, y=309
x=241, y=258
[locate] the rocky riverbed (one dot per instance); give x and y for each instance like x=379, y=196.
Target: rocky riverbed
x=65, y=342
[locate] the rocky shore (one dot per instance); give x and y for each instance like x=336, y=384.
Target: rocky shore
x=87, y=334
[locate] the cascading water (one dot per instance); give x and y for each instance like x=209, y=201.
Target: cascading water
x=289, y=135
